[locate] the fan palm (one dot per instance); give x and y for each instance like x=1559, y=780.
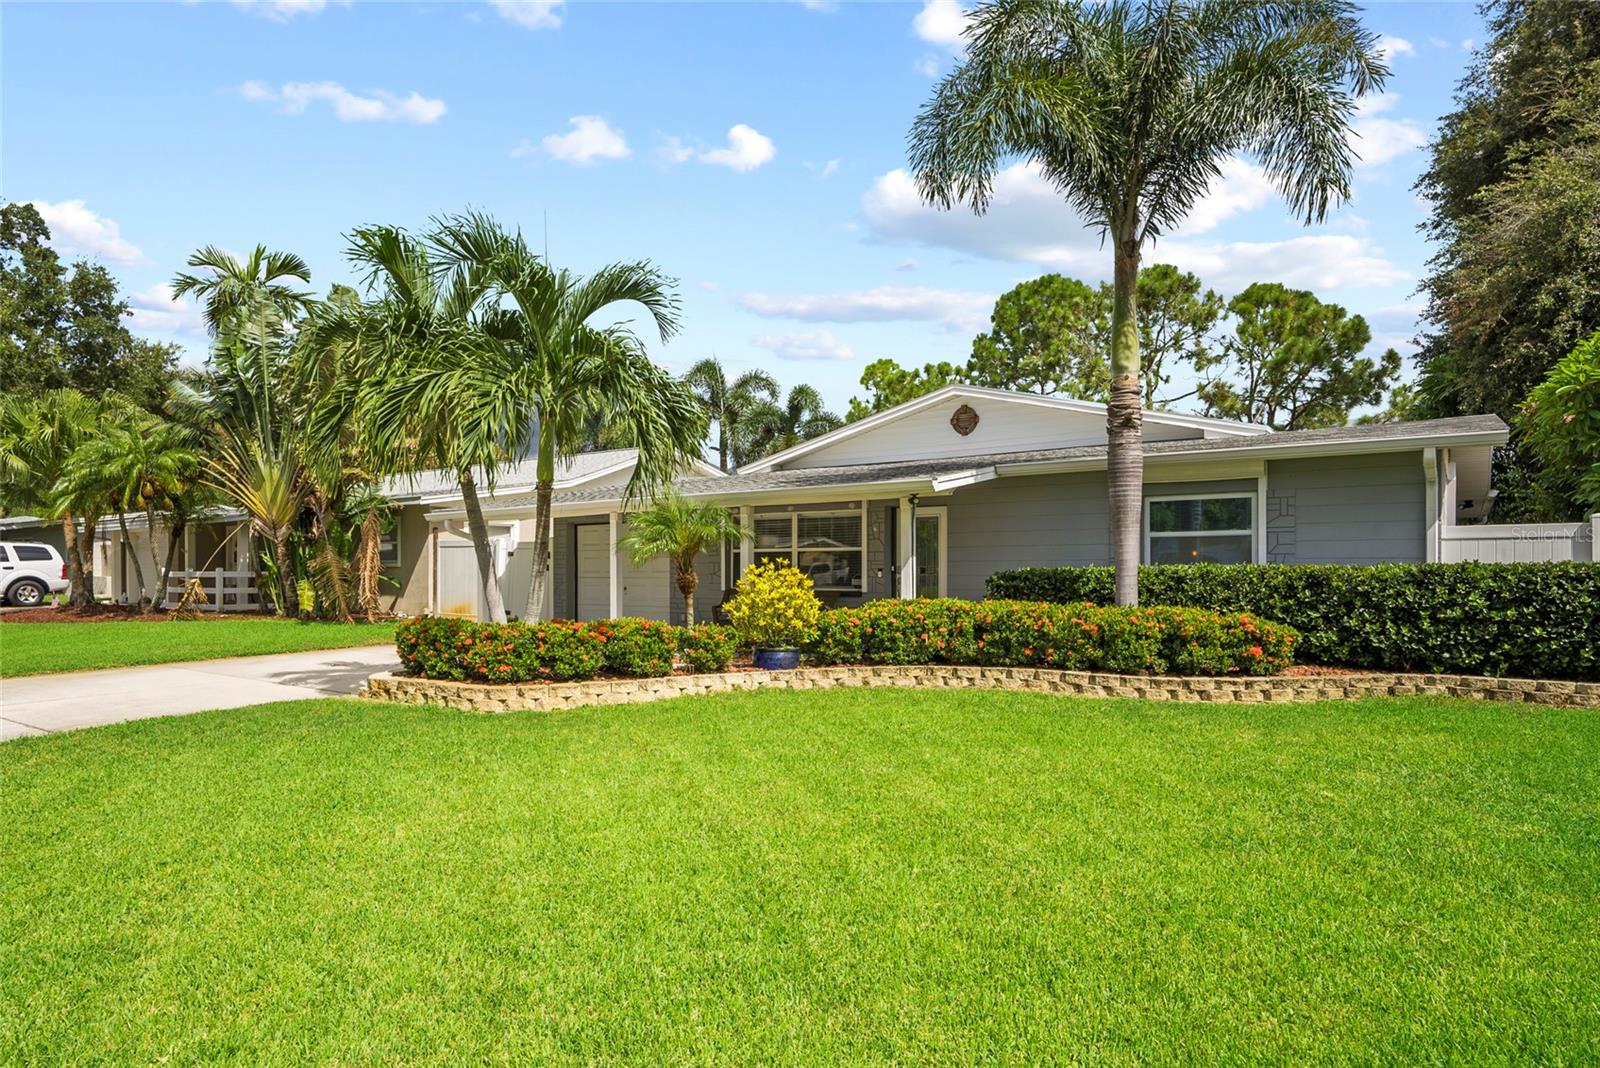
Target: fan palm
x=680, y=530
x=801, y=416
x=1129, y=111
x=730, y=405
x=269, y=486
x=548, y=369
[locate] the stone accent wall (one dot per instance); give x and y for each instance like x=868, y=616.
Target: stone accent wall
x=546, y=697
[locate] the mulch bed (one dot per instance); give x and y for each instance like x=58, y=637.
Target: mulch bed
x=101, y=613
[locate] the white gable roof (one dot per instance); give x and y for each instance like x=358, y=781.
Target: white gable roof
x=921, y=429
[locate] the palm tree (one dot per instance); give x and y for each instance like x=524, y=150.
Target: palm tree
x=1130, y=110
x=730, y=404
x=38, y=436
x=233, y=291
x=142, y=463
x=268, y=486
x=440, y=398
x=548, y=370
x=681, y=530
x=800, y=417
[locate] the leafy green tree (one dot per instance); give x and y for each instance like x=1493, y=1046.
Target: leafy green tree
x=1046, y=336
x=888, y=384
x=1402, y=406
x=1176, y=317
x=1129, y=110
x=38, y=436
x=64, y=329
x=545, y=370
x=1560, y=423
x=1293, y=362
x=1514, y=184
x=801, y=416
x=731, y=405
x=680, y=530
x=145, y=464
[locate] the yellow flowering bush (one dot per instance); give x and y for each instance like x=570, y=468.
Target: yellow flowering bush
x=773, y=606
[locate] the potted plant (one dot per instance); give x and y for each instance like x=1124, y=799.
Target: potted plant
x=775, y=612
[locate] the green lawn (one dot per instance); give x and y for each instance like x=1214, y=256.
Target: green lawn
x=44, y=648
x=808, y=877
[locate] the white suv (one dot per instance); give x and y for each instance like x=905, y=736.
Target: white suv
x=28, y=571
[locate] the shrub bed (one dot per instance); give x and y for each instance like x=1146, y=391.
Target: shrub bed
x=1527, y=620
x=1081, y=637
x=557, y=651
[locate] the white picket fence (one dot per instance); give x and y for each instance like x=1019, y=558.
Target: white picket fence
x=226, y=591
x=1520, y=543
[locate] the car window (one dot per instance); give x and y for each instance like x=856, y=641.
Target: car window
x=4, y=557
x=32, y=552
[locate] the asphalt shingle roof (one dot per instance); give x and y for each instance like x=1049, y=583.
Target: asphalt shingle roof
x=515, y=475
x=860, y=474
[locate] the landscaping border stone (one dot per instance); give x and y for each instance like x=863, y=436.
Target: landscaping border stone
x=548, y=697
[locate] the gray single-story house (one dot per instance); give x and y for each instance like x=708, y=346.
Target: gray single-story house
x=933, y=496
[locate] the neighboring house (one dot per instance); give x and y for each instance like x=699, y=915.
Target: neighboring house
x=932, y=497
x=428, y=564
x=33, y=528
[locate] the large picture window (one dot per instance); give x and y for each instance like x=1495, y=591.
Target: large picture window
x=1200, y=530
x=827, y=546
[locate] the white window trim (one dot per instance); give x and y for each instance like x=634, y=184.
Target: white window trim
x=942, y=513
x=1253, y=532
x=794, y=549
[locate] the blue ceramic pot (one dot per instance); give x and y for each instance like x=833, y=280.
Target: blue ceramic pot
x=777, y=659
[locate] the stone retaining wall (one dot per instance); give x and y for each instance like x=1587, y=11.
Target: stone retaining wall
x=545, y=697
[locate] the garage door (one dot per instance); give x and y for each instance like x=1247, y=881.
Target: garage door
x=594, y=571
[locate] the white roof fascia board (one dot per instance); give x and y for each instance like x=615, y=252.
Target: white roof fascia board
x=911, y=407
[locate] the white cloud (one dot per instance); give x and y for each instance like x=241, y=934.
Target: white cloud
x=709, y=287
x=1376, y=139
x=1318, y=262
x=1390, y=46
x=530, y=14
x=907, y=264
x=281, y=10
x=75, y=228
x=590, y=138
x=155, y=311
x=381, y=106
x=928, y=65
x=940, y=22
x=962, y=309
x=1028, y=222
x=746, y=150
x=826, y=7
x=672, y=151
x=826, y=169
x=817, y=345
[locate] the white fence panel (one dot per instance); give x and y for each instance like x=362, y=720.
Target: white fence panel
x=226, y=591
x=1519, y=543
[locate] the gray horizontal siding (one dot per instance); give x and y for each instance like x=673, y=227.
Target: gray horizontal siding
x=1038, y=521
x=1347, y=509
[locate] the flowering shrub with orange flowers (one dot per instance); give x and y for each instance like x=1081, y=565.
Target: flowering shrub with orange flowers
x=557, y=651
x=1156, y=639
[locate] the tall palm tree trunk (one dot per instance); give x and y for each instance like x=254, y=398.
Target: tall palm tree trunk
x=288, y=597
x=127, y=544
x=174, y=535
x=1124, y=447
x=83, y=547
x=539, y=583
x=157, y=597
x=480, y=548
x=688, y=582
x=69, y=536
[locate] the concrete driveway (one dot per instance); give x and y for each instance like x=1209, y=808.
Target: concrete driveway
x=44, y=704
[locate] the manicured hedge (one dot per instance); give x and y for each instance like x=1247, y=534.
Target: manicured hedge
x=1081, y=637
x=557, y=651
x=1529, y=620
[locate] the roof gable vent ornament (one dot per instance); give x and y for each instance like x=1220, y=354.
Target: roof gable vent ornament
x=965, y=420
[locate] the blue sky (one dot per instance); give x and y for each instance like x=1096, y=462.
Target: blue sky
x=754, y=151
